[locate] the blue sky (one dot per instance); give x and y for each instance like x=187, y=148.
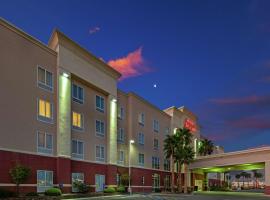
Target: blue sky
x=210, y=56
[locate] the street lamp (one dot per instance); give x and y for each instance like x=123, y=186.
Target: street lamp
x=129, y=169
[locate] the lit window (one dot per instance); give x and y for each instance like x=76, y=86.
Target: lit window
x=77, y=94
x=141, y=159
x=44, y=143
x=141, y=118
x=100, y=103
x=100, y=128
x=121, y=157
x=77, y=121
x=120, y=112
x=156, y=144
x=141, y=139
x=120, y=135
x=45, y=79
x=100, y=153
x=77, y=149
x=155, y=162
x=155, y=125
x=45, y=111
x=44, y=180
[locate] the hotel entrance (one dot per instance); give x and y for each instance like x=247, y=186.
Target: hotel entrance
x=156, y=182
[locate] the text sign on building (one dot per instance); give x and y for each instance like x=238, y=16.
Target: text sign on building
x=189, y=124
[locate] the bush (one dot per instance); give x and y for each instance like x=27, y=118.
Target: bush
x=82, y=187
x=121, y=189
x=6, y=193
x=109, y=190
x=53, y=192
x=32, y=194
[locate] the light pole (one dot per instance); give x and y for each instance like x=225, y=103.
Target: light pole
x=129, y=169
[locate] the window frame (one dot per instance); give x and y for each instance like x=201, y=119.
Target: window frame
x=139, y=139
x=141, y=119
x=44, y=188
x=121, y=162
x=76, y=99
x=100, y=159
x=44, y=86
x=82, y=122
x=157, y=142
x=43, y=118
x=120, y=112
x=77, y=155
x=155, y=162
x=102, y=110
x=98, y=133
x=44, y=150
x=156, y=123
x=141, y=163
x=120, y=132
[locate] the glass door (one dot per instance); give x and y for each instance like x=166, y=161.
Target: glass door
x=156, y=182
x=100, y=182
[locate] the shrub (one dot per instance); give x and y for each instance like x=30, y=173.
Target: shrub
x=6, y=193
x=121, y=189
x=82, y=187
x=53, y=192
x=32, y=194
x=109, y=190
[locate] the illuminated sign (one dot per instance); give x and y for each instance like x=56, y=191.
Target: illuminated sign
x=189, y=124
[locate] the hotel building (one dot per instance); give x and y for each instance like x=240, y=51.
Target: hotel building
x=63, y=116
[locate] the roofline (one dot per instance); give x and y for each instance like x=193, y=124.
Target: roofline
x=22, y=33
x=234, y=153
x=56, y=31
x=147, y=102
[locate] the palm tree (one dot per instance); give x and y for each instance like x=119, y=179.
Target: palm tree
x=257, y=175
x=238, y=176
x=248, y=176
x=206, y=147
x=169, y=151
x=184, y=154
x=244, y=175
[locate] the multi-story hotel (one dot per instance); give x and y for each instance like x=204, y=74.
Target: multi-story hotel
x=63, y=116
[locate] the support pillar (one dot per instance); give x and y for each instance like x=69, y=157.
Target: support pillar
x=267, y=178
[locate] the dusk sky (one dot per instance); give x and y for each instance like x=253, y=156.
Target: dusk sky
x=211, y=56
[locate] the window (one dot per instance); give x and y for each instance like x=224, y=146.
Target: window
x=121, y=157
x=167, y=164
x=76, y=178
x=77, y=94
x=44, y=180
x=156, y=125
x=120, y=135
x=155, y=162
x=45, y=79
x=141, y=118
x=156, y=144
x=100, y=153
x=77, y=121
x=167, y=131
x=141, y=159
x=100, y=103
x=44, y=143
x=100, y=128
x=141, y=138
x=45, y=111
x=77, y=149
x=120, y=112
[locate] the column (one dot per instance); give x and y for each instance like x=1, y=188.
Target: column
x=112, y=141
x=267, y=178
x=63, y=165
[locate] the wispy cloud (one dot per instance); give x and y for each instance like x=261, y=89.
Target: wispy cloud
x=255, y=123
x=242, y=100
x=131, y=65
x=94, y=30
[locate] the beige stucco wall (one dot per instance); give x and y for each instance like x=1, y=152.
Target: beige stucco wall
x=19, y=58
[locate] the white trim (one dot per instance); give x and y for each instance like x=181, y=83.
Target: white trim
x=45, y=142
x=77, y=149
x=26, y=152
x=46, y=171
x=99, y=109
x=100, y=161
x=96, y=133
x=78, y=100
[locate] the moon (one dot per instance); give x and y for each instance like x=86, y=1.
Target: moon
x=155, y=85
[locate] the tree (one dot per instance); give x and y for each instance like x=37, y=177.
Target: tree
x=248, y=176
x=244, y=175
x=19, y=174
x=206, y=147
x=238, y=176
x=169, y=151
x=257, y=176
x=184, y=154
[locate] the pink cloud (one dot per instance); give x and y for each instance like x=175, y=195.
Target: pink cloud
x=251, y=123
x=131, y=65
x=94, y=30
x=242, y=100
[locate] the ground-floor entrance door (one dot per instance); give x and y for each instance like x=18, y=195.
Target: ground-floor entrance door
x=100, y=182
x=156, y=182
x=167, y=183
